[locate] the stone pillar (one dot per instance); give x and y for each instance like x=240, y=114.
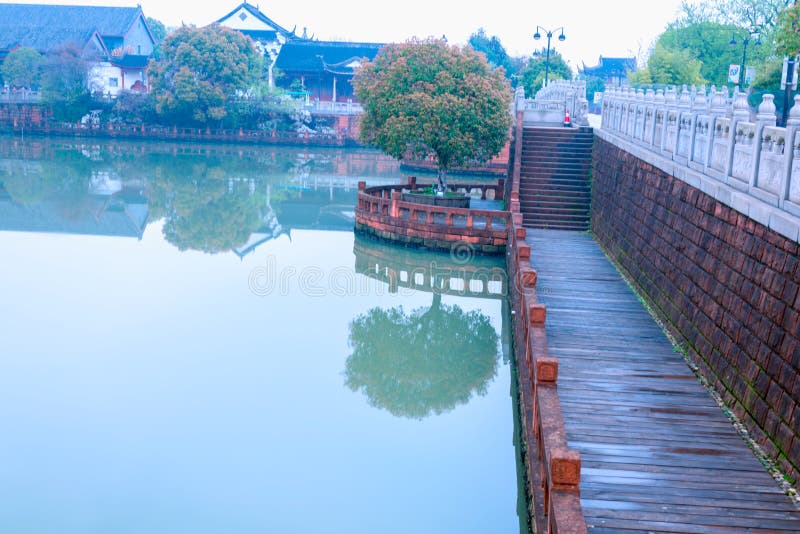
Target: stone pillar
x=766, y=111
x=670, y=111
x=718, y=104
x=740, y=113
x=685, y=100
x=741, y=109
x=700, y=104
x=794, y=113
x=765, y=117
x=394, y=209
x=792, y=149
x=519, y=99
x=699, y=107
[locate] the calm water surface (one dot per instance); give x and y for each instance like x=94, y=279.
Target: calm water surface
x=193, y=340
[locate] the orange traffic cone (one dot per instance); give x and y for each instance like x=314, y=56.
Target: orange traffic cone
x=567, y=121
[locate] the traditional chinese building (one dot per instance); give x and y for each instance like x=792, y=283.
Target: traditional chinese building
x=267, y=35
x=612, y=70
x=323, y=69
x=115, y=40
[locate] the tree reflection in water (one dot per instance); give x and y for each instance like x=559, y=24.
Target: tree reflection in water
x=424, y=362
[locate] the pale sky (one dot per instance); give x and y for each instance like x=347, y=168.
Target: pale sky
x=612, y=28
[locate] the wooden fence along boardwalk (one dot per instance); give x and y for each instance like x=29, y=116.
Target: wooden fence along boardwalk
x=657, y=453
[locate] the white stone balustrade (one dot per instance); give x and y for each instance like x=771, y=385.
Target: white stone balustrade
x=551, y=103
x=717, y=144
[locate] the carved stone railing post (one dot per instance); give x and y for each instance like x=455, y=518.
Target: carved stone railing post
x=519, y=99
x=719, y=127
x=658, y=120
x=670, y=135
x=685, y=125
x=698, y=138
x=604, y=109
x=769, y=155
x=649, y=117
x=764, y=118
x=790, y=198
x=741, y=114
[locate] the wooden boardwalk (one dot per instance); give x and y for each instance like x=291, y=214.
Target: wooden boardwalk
x=657, y=453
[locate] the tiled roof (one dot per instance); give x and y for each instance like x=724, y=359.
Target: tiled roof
x=254, y=11
x=42, y=39
x=305, y=55
x=612, y=65
x=45, y=27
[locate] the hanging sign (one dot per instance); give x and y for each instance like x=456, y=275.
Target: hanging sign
x=733, y=74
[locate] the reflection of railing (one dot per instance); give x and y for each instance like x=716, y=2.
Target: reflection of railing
x=748, y=164
x=434, y=274
x=381, y=212
x=198, y=134
x=19, y=97
x=553, y=469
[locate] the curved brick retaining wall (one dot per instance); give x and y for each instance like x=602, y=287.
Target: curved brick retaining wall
x=381, y=212
x=726, y=286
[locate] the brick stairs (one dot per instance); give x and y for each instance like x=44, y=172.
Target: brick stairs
x=555, y=187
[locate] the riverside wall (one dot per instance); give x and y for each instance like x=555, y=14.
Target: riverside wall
x=696, y=201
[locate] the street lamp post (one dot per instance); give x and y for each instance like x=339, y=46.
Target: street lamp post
x=751, y=34
x=549, y=34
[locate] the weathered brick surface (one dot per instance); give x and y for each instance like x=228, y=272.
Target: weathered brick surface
x=727, y=287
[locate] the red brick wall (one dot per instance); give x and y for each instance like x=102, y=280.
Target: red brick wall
x=727, y=287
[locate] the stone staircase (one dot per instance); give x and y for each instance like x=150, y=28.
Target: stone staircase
x=555, y=186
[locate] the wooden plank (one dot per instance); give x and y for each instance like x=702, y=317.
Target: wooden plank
x=658, y=454
x=718, y=518
x=721, y=498
x=710, y=514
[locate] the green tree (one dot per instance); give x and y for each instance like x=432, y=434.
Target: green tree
x=533, y=73
x=594, y=85
x=22, y=67
x=740, y=13
x=640, y=77
x=64, y=83
x=494, y=51
x=670, y=67
x=787, y=32
x=133, y=108
x=421, y=363
x=751, y=13
x=708, y=43
x=426, y=97
x=200, y=69
x=159, y=32
x=705, y=30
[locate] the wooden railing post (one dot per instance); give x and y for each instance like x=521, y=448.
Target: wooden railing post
x=394, y=210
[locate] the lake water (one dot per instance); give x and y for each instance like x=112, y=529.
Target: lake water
x=193, y=340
